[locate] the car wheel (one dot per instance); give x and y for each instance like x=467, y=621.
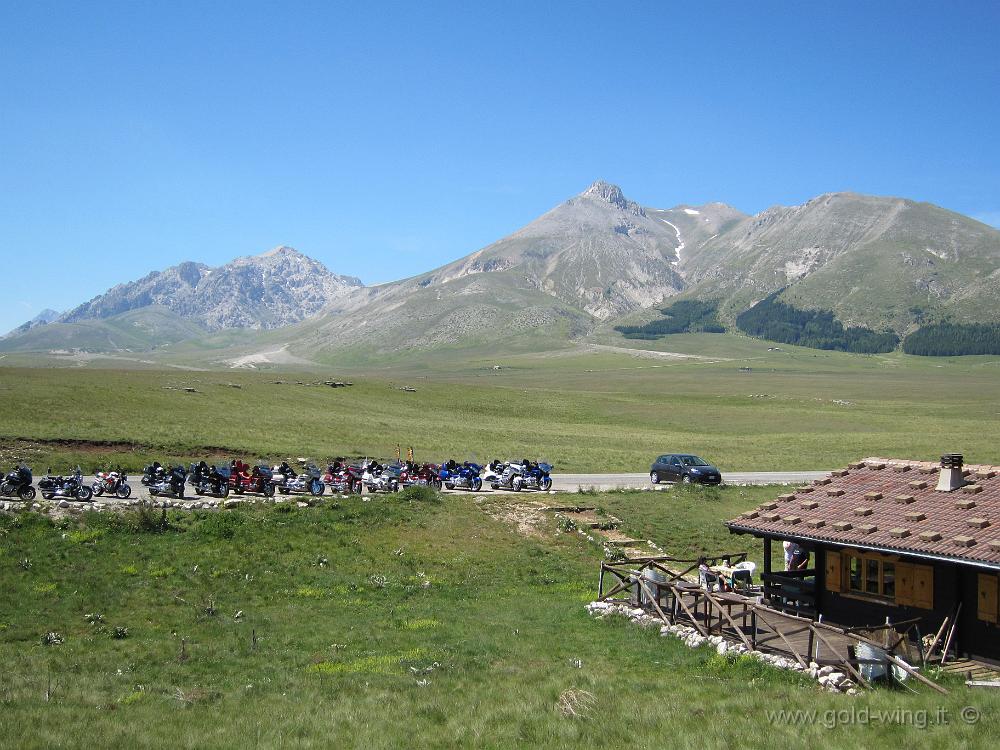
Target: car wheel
x=654, y=477
x=686, y=479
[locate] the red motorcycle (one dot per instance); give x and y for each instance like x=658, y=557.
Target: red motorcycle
x=427, y=474
x=112, y=482
x=256, y=480
x=343, y=478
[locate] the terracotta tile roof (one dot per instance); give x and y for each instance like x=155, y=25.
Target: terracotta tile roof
x=891, y=504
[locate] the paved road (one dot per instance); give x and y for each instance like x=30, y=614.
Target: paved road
x=573, y=482
x=562, y=482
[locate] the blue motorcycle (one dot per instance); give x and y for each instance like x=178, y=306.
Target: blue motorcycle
x=456, y=476
x=532, y=476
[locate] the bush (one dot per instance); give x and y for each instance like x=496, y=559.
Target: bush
x=219, y=525
x=420, y=493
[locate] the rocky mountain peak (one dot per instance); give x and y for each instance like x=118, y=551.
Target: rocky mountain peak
x=281, y=250
x=269, y=290
x=612, y=194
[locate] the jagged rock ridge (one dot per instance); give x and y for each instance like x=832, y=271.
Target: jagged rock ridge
x=274, y=289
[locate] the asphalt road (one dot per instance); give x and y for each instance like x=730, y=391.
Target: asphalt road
x=560, y=482
x=573, y=482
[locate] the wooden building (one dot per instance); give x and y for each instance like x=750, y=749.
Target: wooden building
x=891, y=539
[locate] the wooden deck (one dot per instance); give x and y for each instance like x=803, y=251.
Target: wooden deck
x=743, y=619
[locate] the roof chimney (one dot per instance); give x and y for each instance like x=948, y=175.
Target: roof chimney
x=951, y=477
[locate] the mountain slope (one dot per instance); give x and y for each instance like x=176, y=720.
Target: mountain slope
x=594, y=257
x=874, y=261
x=271, y=290
x=598, y=251
x=45, y=317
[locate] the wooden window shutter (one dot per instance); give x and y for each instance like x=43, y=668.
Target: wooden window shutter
x=988, y=597
x=833, y=570
x=904, y=584
x=923, y=586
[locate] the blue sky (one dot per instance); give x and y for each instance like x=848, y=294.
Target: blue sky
x=385, y=139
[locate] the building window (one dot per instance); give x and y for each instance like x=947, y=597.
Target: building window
x=870, y=575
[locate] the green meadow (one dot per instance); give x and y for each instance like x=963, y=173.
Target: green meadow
x=599, y=409
x=407, y=621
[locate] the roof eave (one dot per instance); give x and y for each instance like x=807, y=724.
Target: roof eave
x=985, y=564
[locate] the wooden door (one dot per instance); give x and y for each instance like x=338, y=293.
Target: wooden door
x=988, y=597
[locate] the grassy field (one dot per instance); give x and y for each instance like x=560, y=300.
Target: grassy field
x=396, y=622
x=601, y=409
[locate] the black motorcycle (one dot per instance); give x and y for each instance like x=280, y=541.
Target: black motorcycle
x=153, y=474
x=209, y=480
x=18, y=482
x=69, y=487
x=171, y=483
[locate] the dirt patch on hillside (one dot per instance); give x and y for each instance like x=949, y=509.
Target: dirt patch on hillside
x=31, y=445
x=528, y=518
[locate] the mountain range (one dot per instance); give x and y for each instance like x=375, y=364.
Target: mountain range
x=888, y=264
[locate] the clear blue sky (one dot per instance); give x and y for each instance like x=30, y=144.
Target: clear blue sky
x=386, y=139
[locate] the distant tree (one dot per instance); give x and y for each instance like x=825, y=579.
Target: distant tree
x=953, y=339
x=818, y=329
x=685, y=316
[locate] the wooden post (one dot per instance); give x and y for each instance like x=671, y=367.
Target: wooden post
x=600, y=582
x=951, y=634
x=767, y=569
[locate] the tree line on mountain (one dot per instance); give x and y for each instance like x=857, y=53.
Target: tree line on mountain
x=776, y=321
x=953, y=339
x=684, y=316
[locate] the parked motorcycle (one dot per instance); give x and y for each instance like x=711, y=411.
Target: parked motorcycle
x=419, y=474
x=343, y=478
x=69, y=487
x=112, y=482
x=379, y=478
x=257, y=480
x=18, y=482
x=520, y=475
x=152, y=474
x=465, y=476
x=209, y=480
x=309, y=480
x=171, y=483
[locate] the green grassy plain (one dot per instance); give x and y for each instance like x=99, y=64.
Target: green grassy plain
x=391, y=623
x=595, y=409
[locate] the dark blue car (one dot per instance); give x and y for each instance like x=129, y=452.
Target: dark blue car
x=683, y=467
